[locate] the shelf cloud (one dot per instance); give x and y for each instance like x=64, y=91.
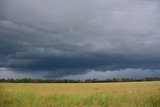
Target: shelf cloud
x=59, y=38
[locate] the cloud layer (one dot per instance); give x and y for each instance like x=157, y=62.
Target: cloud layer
x=75, y=37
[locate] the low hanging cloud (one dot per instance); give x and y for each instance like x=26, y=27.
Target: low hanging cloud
x=120, y=74
x=75, y=37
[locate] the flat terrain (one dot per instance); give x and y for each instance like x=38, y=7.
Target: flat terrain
x=127, y=94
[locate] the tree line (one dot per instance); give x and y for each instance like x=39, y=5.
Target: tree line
x=29, y=80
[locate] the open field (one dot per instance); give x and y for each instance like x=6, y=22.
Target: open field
x=128, y=94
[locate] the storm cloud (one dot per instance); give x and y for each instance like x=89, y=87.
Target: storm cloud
x=64, y=38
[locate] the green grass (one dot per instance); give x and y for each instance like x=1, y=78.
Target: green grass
x=129, y=94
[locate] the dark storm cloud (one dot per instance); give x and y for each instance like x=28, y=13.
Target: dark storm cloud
x=74, y=37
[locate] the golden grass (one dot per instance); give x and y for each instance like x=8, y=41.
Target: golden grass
x=128, y=94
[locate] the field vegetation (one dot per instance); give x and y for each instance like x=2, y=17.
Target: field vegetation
x=125, y=94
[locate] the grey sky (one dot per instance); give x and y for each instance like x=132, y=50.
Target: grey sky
x=75, y=37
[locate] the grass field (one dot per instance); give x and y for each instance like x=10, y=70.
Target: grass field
x=129, y=94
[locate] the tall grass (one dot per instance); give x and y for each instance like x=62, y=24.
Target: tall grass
x=142, y=94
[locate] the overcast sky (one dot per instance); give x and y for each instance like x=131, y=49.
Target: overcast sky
x=79, y=39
